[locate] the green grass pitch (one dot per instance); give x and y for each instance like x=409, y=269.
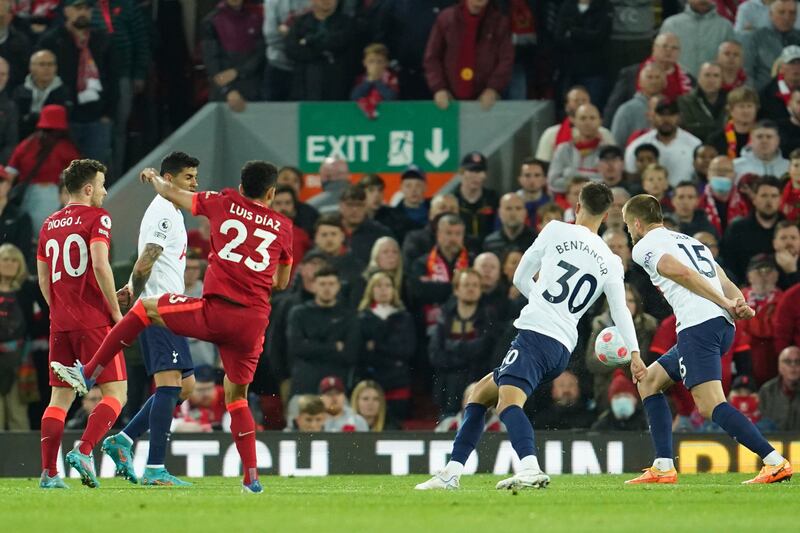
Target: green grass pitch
x=704, y=503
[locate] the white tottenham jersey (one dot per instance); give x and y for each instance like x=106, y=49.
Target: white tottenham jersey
x=162, y=224
x=690, y=309
x=574, y=266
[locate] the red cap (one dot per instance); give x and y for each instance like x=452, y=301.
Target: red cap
x=621, y=384
x=329, y=383
x=52, y=117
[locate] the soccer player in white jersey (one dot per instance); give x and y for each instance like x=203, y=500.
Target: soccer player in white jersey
x=705, y=303
x=158, y=270
x=574, y=266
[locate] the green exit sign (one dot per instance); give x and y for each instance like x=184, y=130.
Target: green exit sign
x=402, y=134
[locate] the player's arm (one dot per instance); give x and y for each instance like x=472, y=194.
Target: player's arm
x=281, y=280
x=730, y=290
x=179, y=197
x=686, y=277
x=43, y=272
x=618, y=307
x=529, y=265
x=105, y=277
x=143, y=267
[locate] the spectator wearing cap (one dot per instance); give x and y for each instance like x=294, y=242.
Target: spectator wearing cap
x=532, y=181
x=766, y=44
x=306, y=215
x=37, y=162
x=721, y=201
x=777, y=94
x=477, y=205
x=731, y=61
x=779, y=399
x=15, y=46
x=285, y=203
x=279, y=16
x=233, y=53
x=611, y=166
x=513, y=233
x=334, y=178
x=430, y=276
x=746, y=237
x=360, y=231
x=88, y=66
x=15, y=224
x=553, y=136
x=685, y=203
x=579, y=156
x=419, y=241
x=786, y=246
x=701, y=160
x=703, y=109
x=700, y=31
x=202, y=352
x=43, y=86
x=742, y=106
x=413, y=207
x=752, y=15
x=632, y=115
x=624, y=412
x=582, y=33
x=323, y=336
x=789, y=127
x=763, y=156
x=320, y=44
x=9, y=134
x=340, y=416
x=276, y=351
x=665, y=53
x=763, y=295
x=329, y=238
x=469, y=54
x=310, y=415
x=459, y=348
x=675, y=145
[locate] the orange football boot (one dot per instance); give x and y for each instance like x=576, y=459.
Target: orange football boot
x=654, y=475
x=772, y=474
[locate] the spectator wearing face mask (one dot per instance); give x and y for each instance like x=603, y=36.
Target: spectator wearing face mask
x=624, y=412
x=720, y=200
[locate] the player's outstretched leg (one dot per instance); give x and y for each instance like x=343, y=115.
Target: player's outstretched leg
x=520, y=432
x=659, y=417
x=51, y=434
x=710, y=400
x=484, y=395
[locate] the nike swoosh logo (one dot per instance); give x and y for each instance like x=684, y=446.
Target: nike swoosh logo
x=243, y=434
x=43, y=439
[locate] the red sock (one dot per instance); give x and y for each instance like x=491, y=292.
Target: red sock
x=52, y=431
x=243, y=428
x=100, y=421
x=122, y=335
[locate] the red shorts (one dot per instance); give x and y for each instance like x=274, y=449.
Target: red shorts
x=237, y=331
x=66, y=347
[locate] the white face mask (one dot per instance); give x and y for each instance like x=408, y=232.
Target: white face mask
x=623, y=407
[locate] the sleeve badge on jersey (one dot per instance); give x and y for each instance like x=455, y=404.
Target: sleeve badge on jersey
x=105, y=221
x=164, y=224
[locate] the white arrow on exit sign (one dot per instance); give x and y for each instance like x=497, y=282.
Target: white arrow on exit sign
x=436, y=154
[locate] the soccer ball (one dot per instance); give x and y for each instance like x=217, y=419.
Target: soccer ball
x=610, y=349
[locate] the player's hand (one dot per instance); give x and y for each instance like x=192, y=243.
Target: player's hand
x=638, y=368
x=148, y=175
x=124, y=298
x=743, y=311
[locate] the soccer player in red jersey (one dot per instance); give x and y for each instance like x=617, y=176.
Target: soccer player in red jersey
x=251, y=252
x=76, y=280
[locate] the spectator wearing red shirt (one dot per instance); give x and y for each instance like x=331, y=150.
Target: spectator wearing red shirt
x=199, y=239
x=469, y=53
x=790, y=199
x=731, y=60
x=787, y=320
x=38, y=160
x=764, y=296
x=204, y=411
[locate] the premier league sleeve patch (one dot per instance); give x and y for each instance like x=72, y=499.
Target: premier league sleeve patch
x=164, y=225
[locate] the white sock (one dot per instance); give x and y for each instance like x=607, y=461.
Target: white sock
x=126, y=437
x=154, y=466
x=773, y=458
x=663, y=464
x=453, y=468
x=530, y=463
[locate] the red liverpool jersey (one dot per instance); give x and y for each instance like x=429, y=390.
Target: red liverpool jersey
x=248, y=241
x=76, y=301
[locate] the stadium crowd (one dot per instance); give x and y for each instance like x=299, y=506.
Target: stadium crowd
x=395, y=310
